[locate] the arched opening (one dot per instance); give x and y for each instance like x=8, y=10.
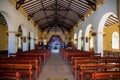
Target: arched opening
x=91, y=40
x=10, y=32
x=111, y=36
x=108, y=24
x=80, y=40
x=19, y=39
x=45, y=40
x=75, y=40
x=3, y=37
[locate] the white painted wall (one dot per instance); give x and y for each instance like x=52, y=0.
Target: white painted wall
x=94, y=19
x=14, y=18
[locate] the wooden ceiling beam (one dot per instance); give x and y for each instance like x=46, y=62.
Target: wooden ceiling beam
x=77, y=13
x=49, y=22
x=19, y=3
x=91, y=4
x=50, y=16
x=79, y=5
x=43, y=9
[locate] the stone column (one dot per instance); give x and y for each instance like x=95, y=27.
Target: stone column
x=98, y=44
x=25, y=43
x=86, y=43
x=32, y=44
x=12, y=43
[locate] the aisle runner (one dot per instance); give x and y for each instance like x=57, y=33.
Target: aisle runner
x=57, y=79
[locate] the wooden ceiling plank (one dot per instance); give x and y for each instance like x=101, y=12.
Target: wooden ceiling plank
x=91, y=4
x=19, y=3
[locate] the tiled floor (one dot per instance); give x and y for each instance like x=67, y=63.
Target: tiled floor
x=55, y=68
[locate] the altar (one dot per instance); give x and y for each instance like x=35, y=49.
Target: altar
x=55, y=49
x=55, y=44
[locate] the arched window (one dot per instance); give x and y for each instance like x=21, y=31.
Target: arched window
x=115, y=40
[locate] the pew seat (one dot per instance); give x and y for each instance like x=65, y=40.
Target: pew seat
x=106, y=75
x=10, y=76
x=23, y=69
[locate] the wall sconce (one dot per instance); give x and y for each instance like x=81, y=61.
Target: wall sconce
x=87, y=39
x=17, y=35
x=35, y=39
x=82, y=38
x=94, y=34
x=104, y=34
x=24, y=39
x=76, y=39
x=29, y=38
x=41, y=37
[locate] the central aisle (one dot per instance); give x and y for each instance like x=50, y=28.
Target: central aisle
x=55, y=68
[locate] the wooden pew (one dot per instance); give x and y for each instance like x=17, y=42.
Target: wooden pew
x=91, y=68
x=25, y=57
x=68, y=54
x=43, y=56
x=46, y=52
x=78, y=63
x=34, y=63
x=10, y=76
x=105, y=75
x=38, y=59
x=23, y=69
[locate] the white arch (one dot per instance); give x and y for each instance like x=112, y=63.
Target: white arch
x=24, y=36
x=79, y=39
x=75, y=38
x=11, y=37
x=100, y=29
x=87, y=31
x=103, y=20
x=8, y=20
x=24, y=30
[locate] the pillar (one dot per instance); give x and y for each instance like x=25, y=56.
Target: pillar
x=98, y=43
x=25, y=43
x=32, y=44
x=12, y=43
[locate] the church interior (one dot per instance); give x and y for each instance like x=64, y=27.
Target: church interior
x=59, y=39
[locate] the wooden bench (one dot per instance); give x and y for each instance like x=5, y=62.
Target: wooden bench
x=22, y=61
x=10, y=76
x=23, y=69
x=43, y=56
x=30, y=58
x=78, y=63
x=68, y=56
x=106, y=75
x=91, y=68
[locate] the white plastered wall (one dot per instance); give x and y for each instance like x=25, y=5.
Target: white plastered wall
x=95, y=19
x=14, y=18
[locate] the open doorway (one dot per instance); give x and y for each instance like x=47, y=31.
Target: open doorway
x=3, y=37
